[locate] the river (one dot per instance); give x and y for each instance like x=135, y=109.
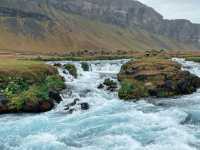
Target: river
x=110, y=123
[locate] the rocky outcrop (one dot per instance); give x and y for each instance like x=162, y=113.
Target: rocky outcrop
x=11, y=12
x=155, y=77
x=129, y=13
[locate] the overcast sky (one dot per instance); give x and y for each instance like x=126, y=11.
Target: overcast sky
x=176, y=9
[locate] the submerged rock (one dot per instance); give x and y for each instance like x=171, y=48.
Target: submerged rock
x=84, y=106
x=55, y=96
x=101, y=86
x=57, y=65
x=71, y=107
x=68, y=106
x=111, y=85
x=84, y=92
x=155, y=77
x=85, y=66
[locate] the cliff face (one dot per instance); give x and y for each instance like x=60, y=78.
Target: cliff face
x=60, y=25
x=131, y=13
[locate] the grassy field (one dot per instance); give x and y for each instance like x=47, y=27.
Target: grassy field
x=79, y=34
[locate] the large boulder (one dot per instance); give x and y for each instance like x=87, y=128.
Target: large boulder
x=155, y=77
x=55, y=96
x=3, y=104
x=37, y=107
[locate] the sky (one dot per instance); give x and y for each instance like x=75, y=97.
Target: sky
x=176, y=9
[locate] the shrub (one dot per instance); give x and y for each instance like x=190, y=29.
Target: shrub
x=71, y=69
x=55, y=82
x=15, y=86
x=34, y=94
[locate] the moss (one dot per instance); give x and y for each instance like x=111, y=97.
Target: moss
x=155, y=76
x=35, y=93
x=132, y=89
x=28, y=82
x=109, y=82
x=85, y=66
x=195, y=59
x=71, y=69
x=55, y=83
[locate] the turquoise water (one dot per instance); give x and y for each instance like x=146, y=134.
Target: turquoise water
x=109, y=124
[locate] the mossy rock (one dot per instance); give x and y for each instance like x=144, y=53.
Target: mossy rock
x=85, y=66
x=26, y=86
x=109, y=82
x=71, y=69
x=157, y=77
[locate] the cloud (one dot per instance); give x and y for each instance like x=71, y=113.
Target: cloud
x=176, y=9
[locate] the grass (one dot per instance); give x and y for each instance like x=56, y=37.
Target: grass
x=81, y=34
x=78, y=58
x=195, y=59
x=154, y=76
x=132, y=89
x=27, y=81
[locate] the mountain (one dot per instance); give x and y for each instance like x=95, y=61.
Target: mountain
x=59, y=26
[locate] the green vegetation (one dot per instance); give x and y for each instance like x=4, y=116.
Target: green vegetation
x=132, y=89
x=195, y=59
x=25, y=82
x=78, y=58
x=85, y=66
x=71, y=69
x=155, y=76
x=109, y=82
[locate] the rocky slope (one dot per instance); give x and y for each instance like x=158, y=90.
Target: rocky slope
x=49, y=26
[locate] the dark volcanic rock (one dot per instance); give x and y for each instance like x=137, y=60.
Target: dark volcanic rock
x=37, y=107
x=101, y=86
x=111, y=85
x=57, y=65
x=84, y=106
x=55, y=96
x=3, y=99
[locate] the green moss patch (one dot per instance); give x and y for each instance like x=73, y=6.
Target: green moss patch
x=195, y=59
x=71, y=69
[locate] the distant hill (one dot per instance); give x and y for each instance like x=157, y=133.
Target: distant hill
x=58, y=26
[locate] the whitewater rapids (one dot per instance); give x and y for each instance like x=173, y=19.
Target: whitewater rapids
x=110, y=123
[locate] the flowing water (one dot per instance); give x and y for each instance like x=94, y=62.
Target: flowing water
x=110, y=123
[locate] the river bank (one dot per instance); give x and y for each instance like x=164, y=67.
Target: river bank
x=110, y=123
x=28, y=86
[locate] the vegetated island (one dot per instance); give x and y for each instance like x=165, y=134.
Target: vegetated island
x=28, y=86
x=155, y=77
